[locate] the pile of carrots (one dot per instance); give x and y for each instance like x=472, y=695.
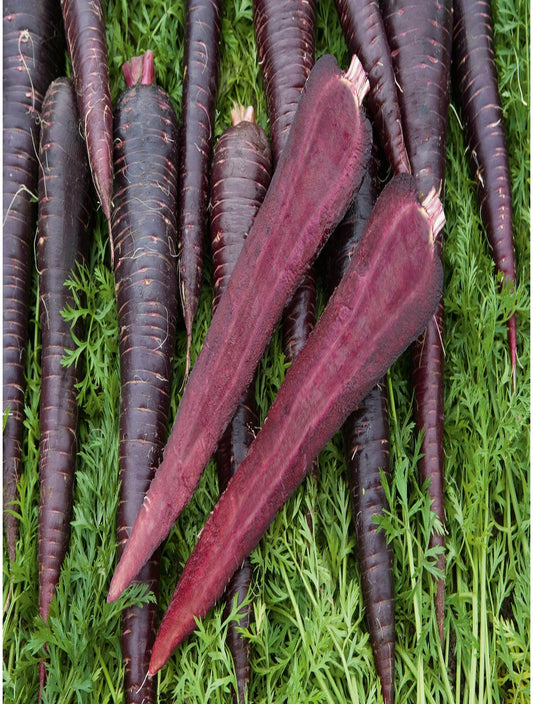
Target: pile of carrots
x=271, y=204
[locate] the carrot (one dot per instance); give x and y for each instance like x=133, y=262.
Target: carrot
x=144, y=227
x=330, y=136
x=200, y=82
x=285, y=35
x=87, y=49
x=64, y=211
x=477, y=90
x=32, y=58
x=349, y=350
x=420, y=35
x=364, y=31
x=366, y=438
x=240, y=176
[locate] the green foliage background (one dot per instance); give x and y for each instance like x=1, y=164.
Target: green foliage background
x=309, y=638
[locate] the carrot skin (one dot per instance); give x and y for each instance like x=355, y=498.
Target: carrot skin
x=366, y=437
x=330, y=136
x=420, y=36
x=144, y=229
x=474, y=71
x=348, y=351
x=200, y=83
x=86, y=44
x=285, y=35
x=240, y=176
x=33, y=50
x=364, y=31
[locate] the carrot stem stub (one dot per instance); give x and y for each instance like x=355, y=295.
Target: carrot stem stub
x=330, y=136
x=395, y=269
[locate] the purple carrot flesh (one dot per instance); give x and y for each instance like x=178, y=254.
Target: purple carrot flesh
x=363, y=29
x=477, y=91
x=419, y=33
x=240, y=176
x=86, y=45
x=366, y=437
x=330, y=136
x=349, y=350
x=65, y=198
x=200, y=82
x=33, y=53
x=144, y=229
x=285, y=35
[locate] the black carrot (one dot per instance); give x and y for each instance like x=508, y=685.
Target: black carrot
x=476, y=82
x=240, y=176
x=65, y=200
x=144, y=231
x=200, y=83
x=420, y=36
x=33, y=55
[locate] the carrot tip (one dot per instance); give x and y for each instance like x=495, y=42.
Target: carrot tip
x=356, y=74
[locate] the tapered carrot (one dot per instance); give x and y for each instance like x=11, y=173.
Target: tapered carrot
x=33, y=55
x=240, y=176
x=200, y=83
x=64, y=209
x=477, y=91
x=420, y=36
x=144, y=228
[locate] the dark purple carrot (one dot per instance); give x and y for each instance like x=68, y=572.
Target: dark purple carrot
x=86, y=45
x=420, y=33
x=330, y=136
x=349, y=350
x=366, y=437
x=362, y=25
x=144, y=227
x=285, y=36
x=240, y=176
x=477, y=91
x=200, y=83
x=32, y=57
x=65, y=195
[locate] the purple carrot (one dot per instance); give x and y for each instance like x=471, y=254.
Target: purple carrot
x=65, y=199
x=330, y=136
x=477, y=90
x=362, y=25
x=366, y=437
x=285, y=35
x=420, y=33
x=200, y=82
x=349, y=350
x=240, y=176
x=144, y=229
x=32, y=57
x=86, y=45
